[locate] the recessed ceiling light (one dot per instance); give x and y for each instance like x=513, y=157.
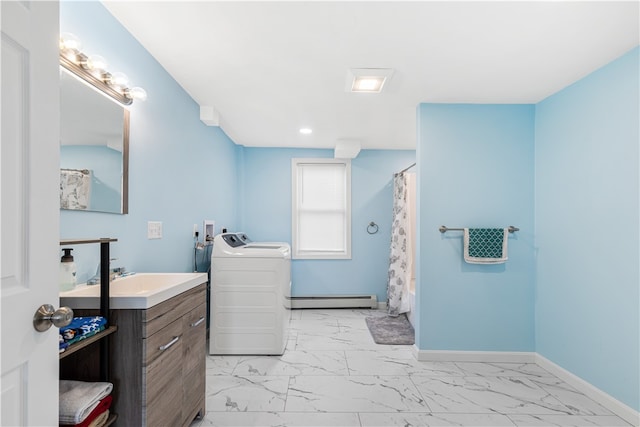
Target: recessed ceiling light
x=367, y=84
x=367, y=80
x=305, y=131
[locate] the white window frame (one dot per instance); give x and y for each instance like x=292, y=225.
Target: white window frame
x=296, y=253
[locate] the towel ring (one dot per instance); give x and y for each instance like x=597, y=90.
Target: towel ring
x=372, y=228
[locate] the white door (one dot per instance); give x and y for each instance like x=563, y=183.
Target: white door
x=29, y=223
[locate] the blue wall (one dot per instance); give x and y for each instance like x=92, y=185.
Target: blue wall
x=587, y=229
x=476, y=170
x=180, y=172
x=478, y=165
x=266, y=216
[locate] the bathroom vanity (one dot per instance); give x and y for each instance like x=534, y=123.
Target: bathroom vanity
x=157, y=357
x=158, y=361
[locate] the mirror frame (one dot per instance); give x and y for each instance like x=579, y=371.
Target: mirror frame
x=100, y=85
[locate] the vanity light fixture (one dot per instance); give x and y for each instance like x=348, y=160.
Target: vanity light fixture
x=306, y=131
x=367, y=80
x=92, y=69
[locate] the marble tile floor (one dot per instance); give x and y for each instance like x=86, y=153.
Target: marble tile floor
x=333, y=374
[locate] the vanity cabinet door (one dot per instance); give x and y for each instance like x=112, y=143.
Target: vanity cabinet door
x=194, y=359
x=161, y=373
x=194, y=326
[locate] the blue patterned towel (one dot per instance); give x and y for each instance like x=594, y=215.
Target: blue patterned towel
x=485, y=245
x=82, y=327
x=62, y=345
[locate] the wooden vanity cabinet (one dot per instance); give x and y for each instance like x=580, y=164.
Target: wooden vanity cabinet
x=158, y=362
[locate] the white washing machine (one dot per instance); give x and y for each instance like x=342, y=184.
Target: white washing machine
x=250, y=289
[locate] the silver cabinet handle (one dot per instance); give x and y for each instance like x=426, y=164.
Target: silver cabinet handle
x=193, y=325
x=169, y=344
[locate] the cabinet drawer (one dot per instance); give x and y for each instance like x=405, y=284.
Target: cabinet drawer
x=159, y=316
x=194, y=326
x=162, y=341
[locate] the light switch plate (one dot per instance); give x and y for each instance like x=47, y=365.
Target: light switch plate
x=154, y=230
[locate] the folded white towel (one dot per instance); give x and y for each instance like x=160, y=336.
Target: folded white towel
x=485, y=245
x=79, y=398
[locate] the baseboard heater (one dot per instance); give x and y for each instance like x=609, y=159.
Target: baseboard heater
x=334, y=301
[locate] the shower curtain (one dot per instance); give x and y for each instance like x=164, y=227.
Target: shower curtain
x=399, y=259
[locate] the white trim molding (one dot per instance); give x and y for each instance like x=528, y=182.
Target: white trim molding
x=625, y=412
x=620, y=409
x=474, y=356
x=332, y=301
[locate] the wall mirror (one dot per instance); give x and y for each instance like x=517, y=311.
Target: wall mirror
x=94, y=146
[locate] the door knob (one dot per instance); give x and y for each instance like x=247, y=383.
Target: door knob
x=46, y=316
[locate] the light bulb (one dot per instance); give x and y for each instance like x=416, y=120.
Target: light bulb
x=137, y=93
x=96, y=62
x=69, y=41
x=119, y=79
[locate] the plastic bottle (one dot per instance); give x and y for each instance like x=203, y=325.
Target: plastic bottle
x=67, y=271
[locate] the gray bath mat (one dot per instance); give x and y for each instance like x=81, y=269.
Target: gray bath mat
x=391, y=330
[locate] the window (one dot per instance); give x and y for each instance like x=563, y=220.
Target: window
x=321, y=208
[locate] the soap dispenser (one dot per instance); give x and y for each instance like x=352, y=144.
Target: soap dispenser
x=67, y=271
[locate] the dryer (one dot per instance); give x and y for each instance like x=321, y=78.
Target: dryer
x=250, y=289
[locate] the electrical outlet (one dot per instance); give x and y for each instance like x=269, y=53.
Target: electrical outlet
x=195, y=230
x=154, y=230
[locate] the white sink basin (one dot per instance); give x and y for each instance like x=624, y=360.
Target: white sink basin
x=139, y=291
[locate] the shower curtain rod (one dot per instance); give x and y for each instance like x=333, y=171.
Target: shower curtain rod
x=405, y=169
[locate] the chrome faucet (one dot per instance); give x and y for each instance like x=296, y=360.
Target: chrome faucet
x=113, y=274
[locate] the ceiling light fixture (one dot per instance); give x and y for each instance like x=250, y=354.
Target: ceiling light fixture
x=306, y=131
x=367, y=84
x=367, y=80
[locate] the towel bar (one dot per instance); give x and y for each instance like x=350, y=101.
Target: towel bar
x=444, y=229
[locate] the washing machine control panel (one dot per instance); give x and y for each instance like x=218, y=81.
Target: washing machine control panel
x=235, y=240
x=243, y=237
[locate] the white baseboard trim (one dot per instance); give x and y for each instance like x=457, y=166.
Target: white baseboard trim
x=474, y=356
x=382, y=305
x=332, y=301
x=618, y=408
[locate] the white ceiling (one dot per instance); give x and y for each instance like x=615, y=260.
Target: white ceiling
x=270, y=68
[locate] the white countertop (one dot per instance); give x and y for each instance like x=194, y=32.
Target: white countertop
x=139, y=291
